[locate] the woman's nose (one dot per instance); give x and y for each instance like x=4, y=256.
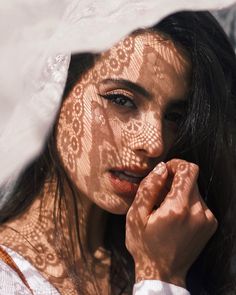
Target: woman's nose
x=147, y=140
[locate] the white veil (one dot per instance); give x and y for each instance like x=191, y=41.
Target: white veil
x=37, y=39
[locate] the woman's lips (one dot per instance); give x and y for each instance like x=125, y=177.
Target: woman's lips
x=123, y=183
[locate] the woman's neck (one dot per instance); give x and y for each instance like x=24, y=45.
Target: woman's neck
x=93, y=226
x=36, y=237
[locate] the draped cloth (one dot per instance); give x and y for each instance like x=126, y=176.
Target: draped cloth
x=37, y=40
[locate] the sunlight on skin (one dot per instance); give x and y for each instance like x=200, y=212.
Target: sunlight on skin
x=95, y=135
x=182, y=222
x=120, y=117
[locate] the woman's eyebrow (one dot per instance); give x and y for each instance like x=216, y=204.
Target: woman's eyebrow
x=129, y=85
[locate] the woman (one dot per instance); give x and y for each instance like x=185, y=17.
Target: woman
x=118, y=170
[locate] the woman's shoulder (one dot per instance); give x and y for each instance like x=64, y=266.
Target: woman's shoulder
x=18, y=276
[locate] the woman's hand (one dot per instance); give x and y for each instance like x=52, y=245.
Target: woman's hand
x=167, y=228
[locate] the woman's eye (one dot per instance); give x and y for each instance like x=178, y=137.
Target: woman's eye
x=120, y=99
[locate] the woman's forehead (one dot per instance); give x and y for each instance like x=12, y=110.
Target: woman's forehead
x=149, y=59
x=136, y=46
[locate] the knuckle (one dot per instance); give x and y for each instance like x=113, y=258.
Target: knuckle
x=144, y=185
x=189, y=167
x=129, y=216
x=200, y=219
x=213, y=222
x=151, y=181
x=182, y=214
x=194, y=169
x=205, y=219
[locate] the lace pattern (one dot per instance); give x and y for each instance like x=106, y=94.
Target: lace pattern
x=35, y=107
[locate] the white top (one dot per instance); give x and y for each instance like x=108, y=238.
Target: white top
x=11, y=284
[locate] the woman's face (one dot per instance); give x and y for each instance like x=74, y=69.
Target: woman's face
x=121, y=118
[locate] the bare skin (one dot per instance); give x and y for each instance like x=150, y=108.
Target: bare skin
x=181, y=221
x=122, y=116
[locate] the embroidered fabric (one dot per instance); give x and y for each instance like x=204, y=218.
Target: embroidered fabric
x=32, y=84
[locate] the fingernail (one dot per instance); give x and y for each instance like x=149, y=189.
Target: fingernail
x=160, y=168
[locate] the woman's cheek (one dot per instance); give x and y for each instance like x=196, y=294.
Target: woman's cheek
x=69, y=132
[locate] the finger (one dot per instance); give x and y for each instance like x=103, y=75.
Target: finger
x=149, y=193
x=185, y=176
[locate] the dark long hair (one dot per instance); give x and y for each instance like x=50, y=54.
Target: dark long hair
x=206, y=137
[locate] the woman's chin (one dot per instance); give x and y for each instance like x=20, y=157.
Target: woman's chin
x=113, y=203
